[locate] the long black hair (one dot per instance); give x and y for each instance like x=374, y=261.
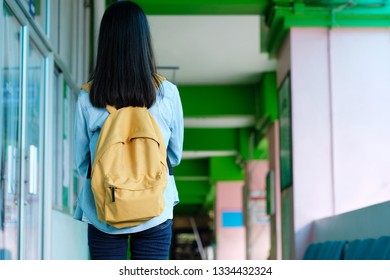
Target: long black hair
x=125, y=72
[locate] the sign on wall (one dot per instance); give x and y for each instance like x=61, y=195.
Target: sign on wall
x=232, y=219
x=285, y=133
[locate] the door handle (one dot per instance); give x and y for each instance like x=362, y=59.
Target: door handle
x=11, y=161
x=33, y=170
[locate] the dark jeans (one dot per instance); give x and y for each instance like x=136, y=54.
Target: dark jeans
x=151, y=244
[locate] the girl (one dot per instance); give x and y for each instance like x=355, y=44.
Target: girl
x=125, y=75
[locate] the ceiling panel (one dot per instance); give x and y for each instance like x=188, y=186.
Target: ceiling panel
x=210, y=50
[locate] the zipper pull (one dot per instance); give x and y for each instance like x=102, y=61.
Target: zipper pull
x=112, y=193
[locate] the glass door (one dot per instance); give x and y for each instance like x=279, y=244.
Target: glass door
x=10, y=136
x=22, y=80
x=32, y=142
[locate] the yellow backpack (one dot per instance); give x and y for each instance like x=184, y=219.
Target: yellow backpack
x=130, y=169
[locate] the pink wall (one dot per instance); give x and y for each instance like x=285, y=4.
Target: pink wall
x=339, y=97
x=230, y=240
x=276, y=216
x=312, y=134
x=258, y=227
x=360, y=67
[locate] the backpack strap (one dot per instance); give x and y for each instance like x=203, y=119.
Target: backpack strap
x=111, y=109
x=158, y=80
x=87, y=86
x=170, y=167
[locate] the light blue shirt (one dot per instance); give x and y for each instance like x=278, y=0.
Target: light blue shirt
x=168, y=113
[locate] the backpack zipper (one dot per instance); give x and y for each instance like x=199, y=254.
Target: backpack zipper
x=112, y=193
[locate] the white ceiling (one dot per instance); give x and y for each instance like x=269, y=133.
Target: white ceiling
x=209, y=49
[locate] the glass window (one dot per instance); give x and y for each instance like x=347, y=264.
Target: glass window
x=67, y=185
x=54, y=19
x=57, y=191
x=10, y=97
x=37, y=10
x=66, y=170
x=75, y=183
x=33, y=191
x=65, y=31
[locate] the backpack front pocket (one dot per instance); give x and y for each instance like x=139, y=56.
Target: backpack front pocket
x=124, y=205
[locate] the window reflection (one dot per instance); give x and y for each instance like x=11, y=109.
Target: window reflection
x=9, y=140
x=37, y=10
x=34, y=145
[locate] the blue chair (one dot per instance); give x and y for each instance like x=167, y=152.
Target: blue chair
x=327, y=250
x=359, y=249
x=351, y=248
x=334, y=250
x=363, y=250
x=312, y=251
x=386, y=255
x=380, y=249
x=5, y=254
x=322, y=250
